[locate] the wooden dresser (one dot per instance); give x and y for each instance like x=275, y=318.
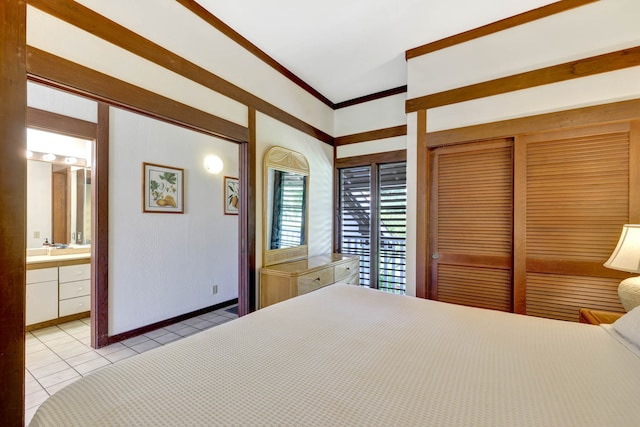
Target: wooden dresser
x=279, y=282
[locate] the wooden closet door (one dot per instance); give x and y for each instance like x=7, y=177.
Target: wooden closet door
x=470, y=224
x=572, y=198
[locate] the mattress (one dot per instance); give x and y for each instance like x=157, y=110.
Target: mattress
x=348, y=356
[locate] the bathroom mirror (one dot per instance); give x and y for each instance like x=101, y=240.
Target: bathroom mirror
x=285, y=212
x=58, y=189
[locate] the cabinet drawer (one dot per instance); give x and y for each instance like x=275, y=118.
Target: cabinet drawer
x=75, y=305
x=75, y=289
x=346, y=270
x=71, y=273
x=312, y=281
x=42, y=301
x=42, y=275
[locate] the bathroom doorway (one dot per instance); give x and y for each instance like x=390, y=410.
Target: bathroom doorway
x=59, y=213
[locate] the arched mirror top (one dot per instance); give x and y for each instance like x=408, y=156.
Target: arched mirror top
x=285, y=211
x=286, y=160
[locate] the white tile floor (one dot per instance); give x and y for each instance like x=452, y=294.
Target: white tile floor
x=59, y=355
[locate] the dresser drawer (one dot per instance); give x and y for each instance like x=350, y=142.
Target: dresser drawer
x=75, y=305
x=75, y=289
x=312, y=281
x=71, y=273
x=346, y=270
x=42, y=275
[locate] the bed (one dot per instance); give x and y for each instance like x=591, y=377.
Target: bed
x=345, y=355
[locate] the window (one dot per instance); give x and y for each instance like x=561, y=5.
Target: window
x=372, y=222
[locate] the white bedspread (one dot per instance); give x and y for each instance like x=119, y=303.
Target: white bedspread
x=348, y=356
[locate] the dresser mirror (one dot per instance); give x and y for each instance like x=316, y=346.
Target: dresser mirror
x=285, y=207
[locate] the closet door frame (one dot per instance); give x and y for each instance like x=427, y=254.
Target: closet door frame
x=514, y=128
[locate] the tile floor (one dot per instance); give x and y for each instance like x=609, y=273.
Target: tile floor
x=61, y=354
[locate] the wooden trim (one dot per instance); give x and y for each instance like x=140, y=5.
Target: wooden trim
x=70, y=126
x=372, y=97
x=500, y=262
x=84, y=18
x=59, y=72
x=247, y=247
x=58, y=321
x=152, y=327
x=519, y=226
x=58, y=263
x=617, y=111
x=573, y=268
x=422, y=207
x=371, y=135
x=218, y=24
x=503, y=24
x=13, y=175
x=100, y=227
x=368, y=159
x=543, y=76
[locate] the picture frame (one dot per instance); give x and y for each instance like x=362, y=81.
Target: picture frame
x=231, y=195
x=162, y=189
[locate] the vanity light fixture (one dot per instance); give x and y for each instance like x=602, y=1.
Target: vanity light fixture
x=70, y=160
x=49, y=157
x=213, y=164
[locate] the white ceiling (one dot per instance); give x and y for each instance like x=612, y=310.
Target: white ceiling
x=350, y=48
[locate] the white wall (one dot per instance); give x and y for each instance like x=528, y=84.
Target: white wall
x=377, y=114
x=38, y=202
x=56, y=101
x=594, y=29
x=174, y=27
x=320, y=157
x=39, y=173
x=163, y=265
x=370, y=116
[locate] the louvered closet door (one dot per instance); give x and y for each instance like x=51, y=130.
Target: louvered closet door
x=470, y=224
x=575, y=199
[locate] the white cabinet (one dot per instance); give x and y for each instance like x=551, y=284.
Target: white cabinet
x=42, y=295
x=56, y=292
x=75, y=286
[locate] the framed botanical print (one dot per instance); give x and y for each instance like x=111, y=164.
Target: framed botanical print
x=231, y=196
x=162, y=189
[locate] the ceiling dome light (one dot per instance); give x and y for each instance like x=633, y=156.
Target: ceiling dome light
x=213, y=164
x=71, y=160
x=49, y=157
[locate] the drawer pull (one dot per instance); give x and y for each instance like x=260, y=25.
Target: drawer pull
x=348, y=268
x=317, y=279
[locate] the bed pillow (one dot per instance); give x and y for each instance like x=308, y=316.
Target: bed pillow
x=629, y=326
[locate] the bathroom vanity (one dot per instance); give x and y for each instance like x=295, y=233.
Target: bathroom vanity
x=58, y=286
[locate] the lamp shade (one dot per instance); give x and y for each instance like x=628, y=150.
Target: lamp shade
x=626, y=256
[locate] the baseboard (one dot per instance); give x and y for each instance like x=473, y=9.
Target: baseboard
x=152, y=327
